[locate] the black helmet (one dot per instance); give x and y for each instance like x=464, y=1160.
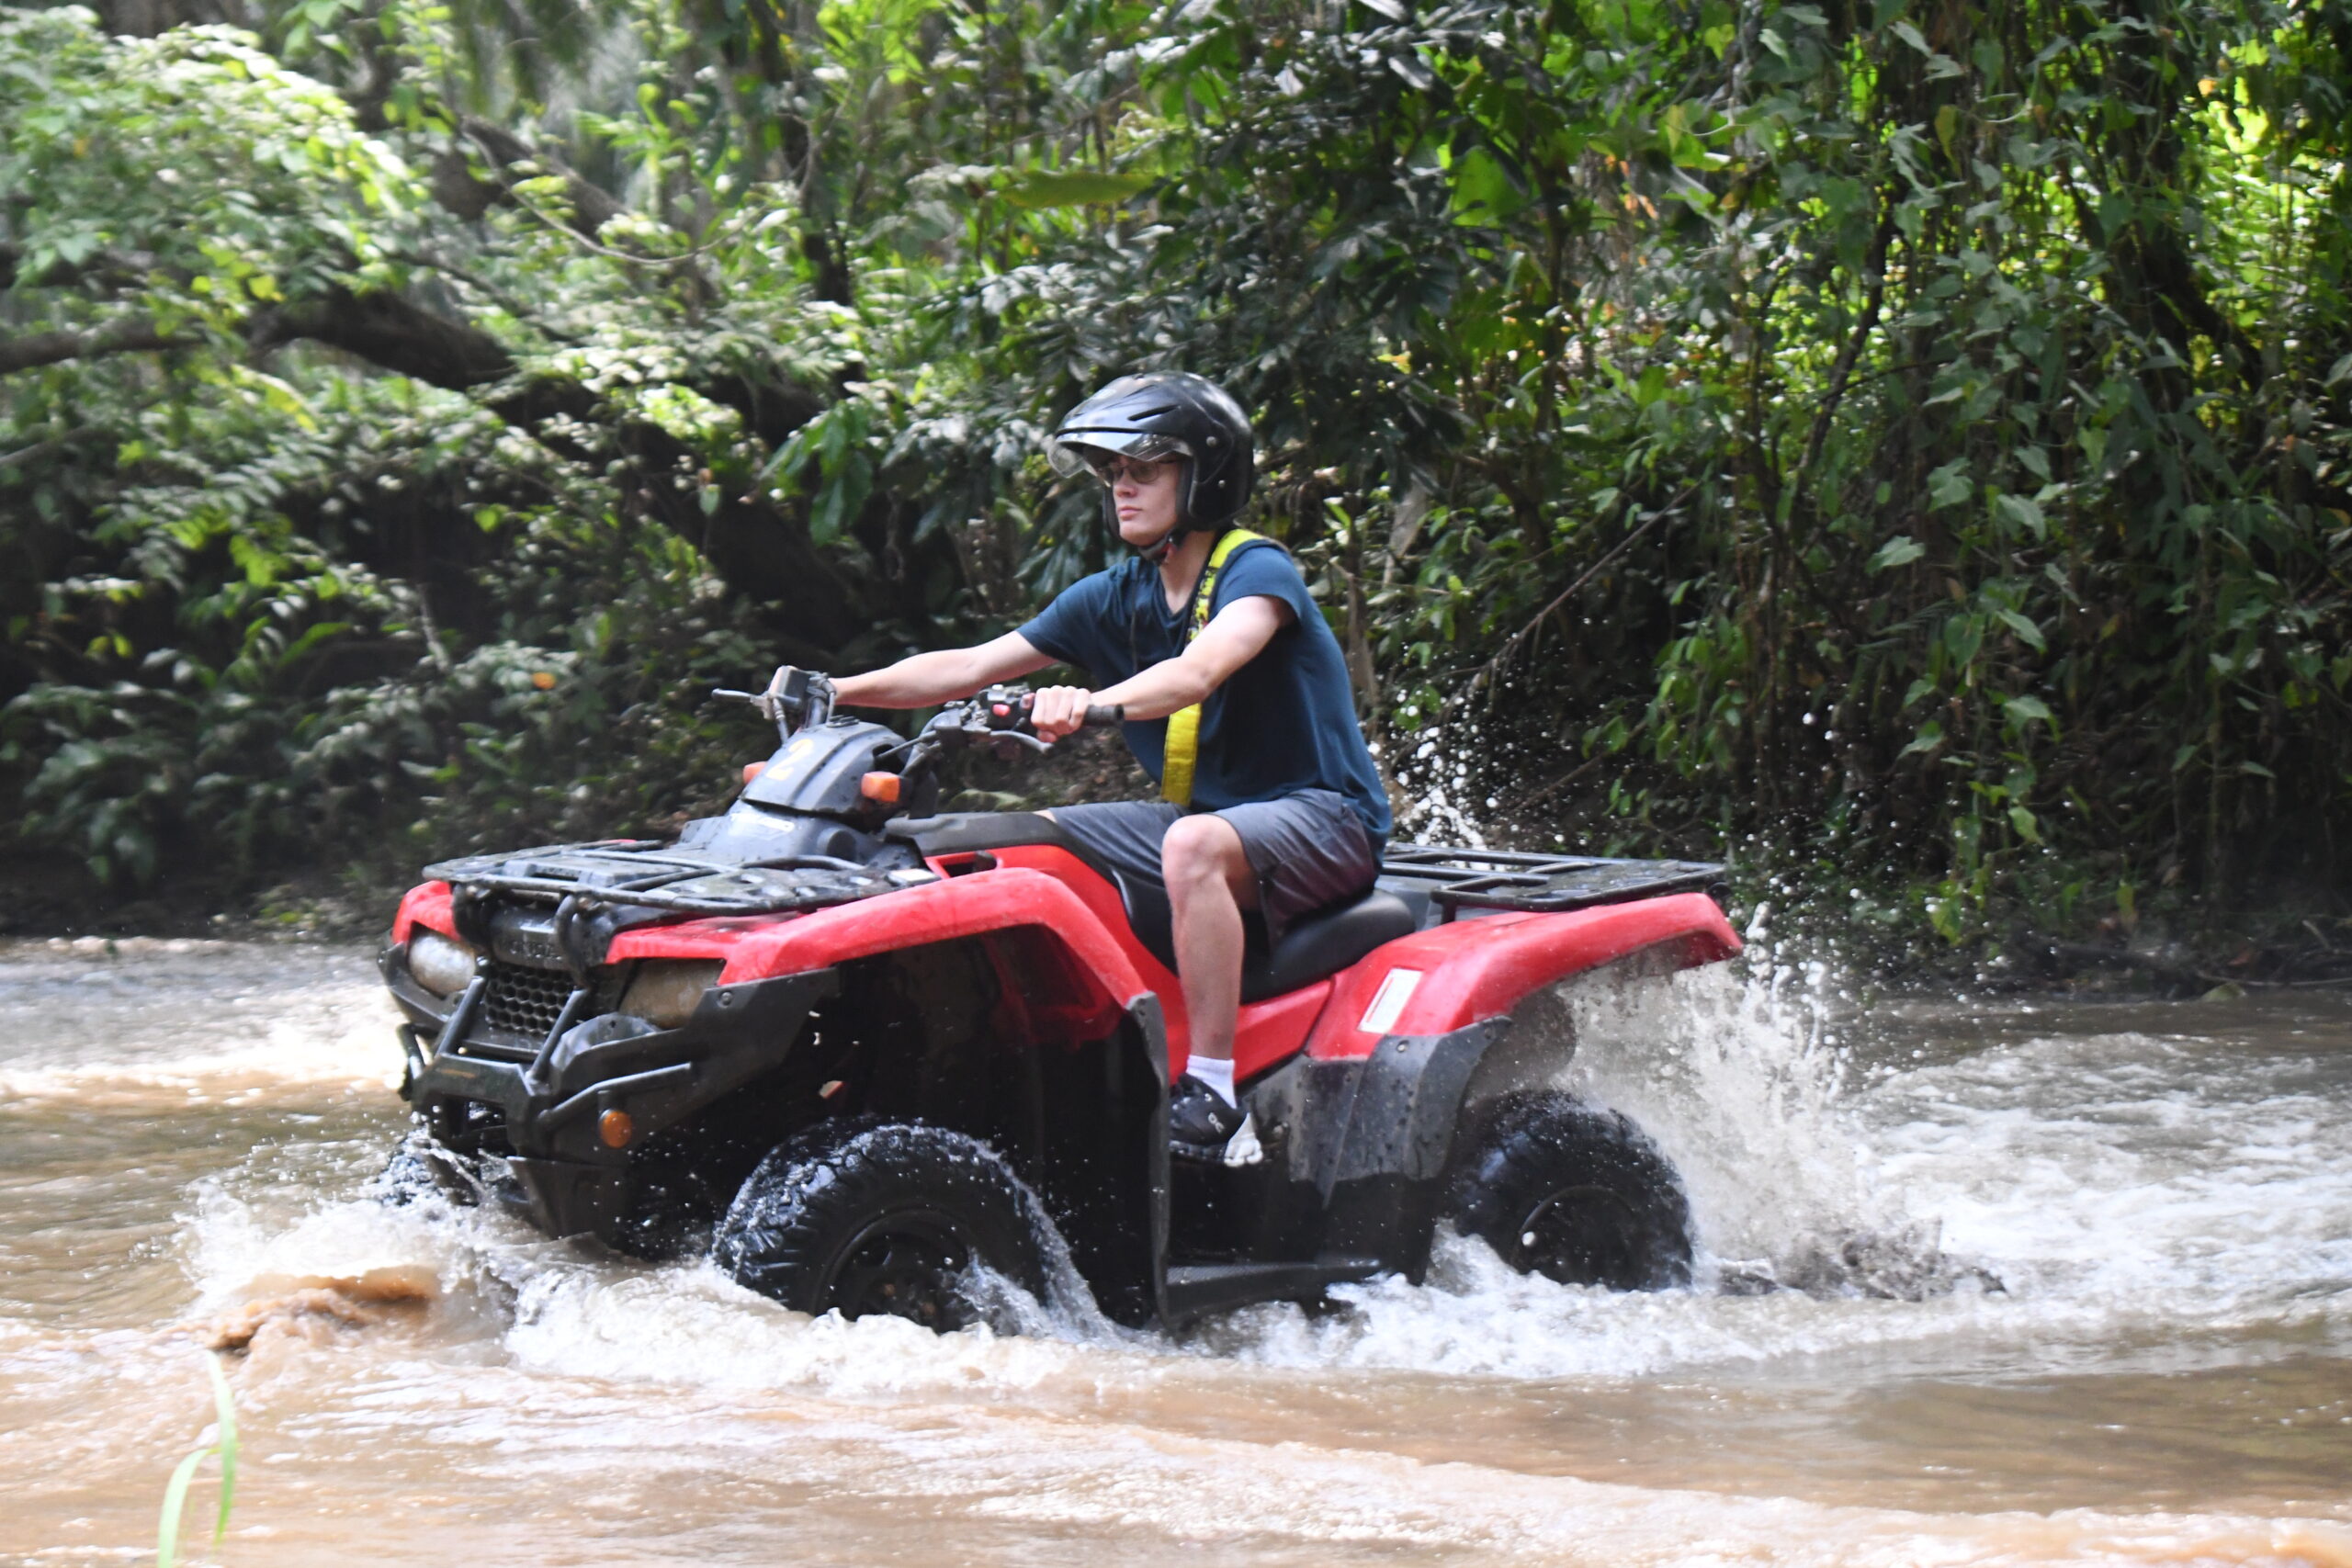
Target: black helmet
x=1167, y=414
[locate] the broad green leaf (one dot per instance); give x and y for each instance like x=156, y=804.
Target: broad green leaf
x=2025, y=710
x=1949, y=485
x=2026, y=631
x=1901, y=550
x=2018, y=509
x=1071, y=187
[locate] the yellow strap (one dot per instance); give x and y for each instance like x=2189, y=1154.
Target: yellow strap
x=1183, y=748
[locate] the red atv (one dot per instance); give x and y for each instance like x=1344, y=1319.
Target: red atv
x=862, y=1047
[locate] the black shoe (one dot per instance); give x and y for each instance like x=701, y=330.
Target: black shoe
x=1199, y=1120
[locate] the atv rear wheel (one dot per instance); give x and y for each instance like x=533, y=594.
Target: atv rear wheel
x=864, y=1218
x=1576, y=1194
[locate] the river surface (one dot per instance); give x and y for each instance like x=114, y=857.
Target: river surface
x=2127, y=1229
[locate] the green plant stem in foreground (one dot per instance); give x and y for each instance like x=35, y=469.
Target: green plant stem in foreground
x=168, y=1526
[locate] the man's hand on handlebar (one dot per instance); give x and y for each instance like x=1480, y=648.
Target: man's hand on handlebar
x=1057, y=711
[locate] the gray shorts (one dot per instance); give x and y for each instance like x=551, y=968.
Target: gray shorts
x=1309, y=851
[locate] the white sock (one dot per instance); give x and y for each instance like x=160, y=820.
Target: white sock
x=1218, y=1075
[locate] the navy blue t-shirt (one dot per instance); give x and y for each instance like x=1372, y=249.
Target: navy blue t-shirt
x=1284, y=722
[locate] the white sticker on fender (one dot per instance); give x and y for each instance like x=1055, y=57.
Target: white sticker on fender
x=1389, y=1001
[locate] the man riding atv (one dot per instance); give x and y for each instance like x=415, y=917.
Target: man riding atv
x=872, y=1055
x=1234, y=696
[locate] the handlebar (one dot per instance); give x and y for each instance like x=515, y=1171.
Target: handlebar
x=999, y=716
x=795, y=699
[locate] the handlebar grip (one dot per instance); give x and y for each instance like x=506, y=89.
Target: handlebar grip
x=1106, y=713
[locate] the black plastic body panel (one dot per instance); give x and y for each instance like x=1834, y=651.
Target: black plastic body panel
x=657, y=1078
x=1357, y=1154
x=816, y=773
x=1452, y=878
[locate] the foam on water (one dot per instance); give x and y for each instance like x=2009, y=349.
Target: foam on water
x=574, y=1310
x=2112, y=1185
x=119, y=1022
x=2162, y=1178
x=2115, y=1184
x=693, y=1326
x=1739, y=1080
x=2130, y=1190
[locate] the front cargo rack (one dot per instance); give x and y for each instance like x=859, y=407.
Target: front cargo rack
x=1456, y=879
x=653, y=875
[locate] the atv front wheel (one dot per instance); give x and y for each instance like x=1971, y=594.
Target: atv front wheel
x=420, y=1168
x=861, y=1218
x=1576, y=1194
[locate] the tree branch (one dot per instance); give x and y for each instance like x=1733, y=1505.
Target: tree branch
x=123, y=269
x=393, y=334
x=1493, y=669
x=455, y=187
x=757, y=550
x=24, y=455
x=1841, y=374
x=36, y=349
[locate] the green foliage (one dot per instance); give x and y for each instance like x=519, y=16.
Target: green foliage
x=223, y=1448
x=1879, y=435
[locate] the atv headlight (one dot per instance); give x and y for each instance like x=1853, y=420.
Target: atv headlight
x=440, y=965
x=666, y=990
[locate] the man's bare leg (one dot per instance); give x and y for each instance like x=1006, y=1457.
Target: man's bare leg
x=1209, y=884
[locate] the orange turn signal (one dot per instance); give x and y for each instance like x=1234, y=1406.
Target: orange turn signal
x=882, y=787
x=752, y=771
x=616, y=1128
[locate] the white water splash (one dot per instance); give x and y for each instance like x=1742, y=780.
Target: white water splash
x=146, y=1020
x=1740, y=1082
x=2120, y=1185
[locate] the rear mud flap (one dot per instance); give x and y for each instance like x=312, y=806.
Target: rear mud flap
x=1381, y=1177
x=1400, y=1121
x=1356, y=1156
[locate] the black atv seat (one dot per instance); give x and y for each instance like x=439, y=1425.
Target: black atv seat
x=1324, y=944
x=1318, y=945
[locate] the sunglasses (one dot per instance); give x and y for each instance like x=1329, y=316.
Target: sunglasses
x=1112, y=455
x=1133, y=470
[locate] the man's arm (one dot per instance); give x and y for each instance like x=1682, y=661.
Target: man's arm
x=1239, y=634
x=923, y=678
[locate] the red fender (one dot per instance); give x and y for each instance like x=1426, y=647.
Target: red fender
x=1466, y=971
x=1081, y=983
x=1269, y=1032
x=1456, y=974
x=426, y=904
x=1264, y=1033
x=760, y=947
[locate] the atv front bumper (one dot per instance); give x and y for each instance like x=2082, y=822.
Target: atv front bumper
x=550, y=1111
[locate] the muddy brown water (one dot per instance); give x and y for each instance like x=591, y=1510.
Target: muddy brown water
x=2163, y=1193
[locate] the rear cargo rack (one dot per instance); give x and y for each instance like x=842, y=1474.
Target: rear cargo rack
x=1456, y=879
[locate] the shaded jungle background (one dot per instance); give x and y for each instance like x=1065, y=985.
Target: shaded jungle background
x=1900, y=445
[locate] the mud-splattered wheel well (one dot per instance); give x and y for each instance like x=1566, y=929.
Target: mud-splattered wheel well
x=1002, y=1037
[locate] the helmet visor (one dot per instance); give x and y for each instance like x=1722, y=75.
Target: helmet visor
x=1074, y=451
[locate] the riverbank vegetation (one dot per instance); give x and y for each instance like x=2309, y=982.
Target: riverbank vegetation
x=1902, y=445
